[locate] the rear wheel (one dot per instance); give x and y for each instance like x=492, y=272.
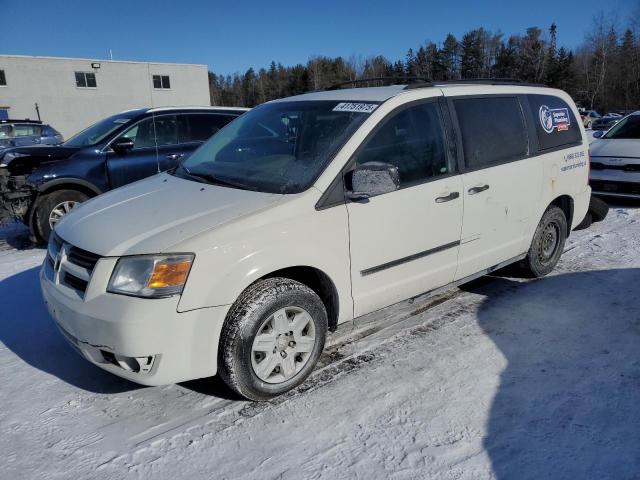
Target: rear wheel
x=272, y=338
x=51, y=208
x=548, y=243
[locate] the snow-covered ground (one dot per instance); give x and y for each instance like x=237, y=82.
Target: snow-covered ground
x=504, y=378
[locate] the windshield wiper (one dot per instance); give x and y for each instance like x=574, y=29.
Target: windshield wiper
x=213, y=180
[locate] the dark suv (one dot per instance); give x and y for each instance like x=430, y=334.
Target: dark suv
x=21, y=133
x=39, y=184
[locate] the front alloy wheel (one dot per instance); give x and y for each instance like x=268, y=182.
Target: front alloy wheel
x=272, y=338
x=283, y=345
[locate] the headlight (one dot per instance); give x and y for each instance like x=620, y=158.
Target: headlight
x=150, y=276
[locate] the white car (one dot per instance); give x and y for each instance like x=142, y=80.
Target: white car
x=615, y=159
x=307, y=212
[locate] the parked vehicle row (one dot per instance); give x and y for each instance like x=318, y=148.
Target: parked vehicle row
x=307, y=212
x=588, y=117
x=39, y=184
x=20, y=133
x=606, y=121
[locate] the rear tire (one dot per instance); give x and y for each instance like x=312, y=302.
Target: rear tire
x=548, y=243
x=272, y=338
x=51, y=208
x=598, y=209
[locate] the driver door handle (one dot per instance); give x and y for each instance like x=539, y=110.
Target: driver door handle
x=448, y=198
x=174, y=156
x=481, y=188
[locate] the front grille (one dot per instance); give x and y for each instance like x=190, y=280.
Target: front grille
x=626, y=168
x=615, y=187
x=73, y=266
x=75, y=282
x=82, y=258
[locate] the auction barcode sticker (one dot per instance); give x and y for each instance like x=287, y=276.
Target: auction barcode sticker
x=355, y=107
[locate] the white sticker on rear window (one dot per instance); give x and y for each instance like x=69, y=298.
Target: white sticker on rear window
x=355, y=107
x=554, y=119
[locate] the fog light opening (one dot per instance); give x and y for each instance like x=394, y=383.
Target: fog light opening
x=130, y=364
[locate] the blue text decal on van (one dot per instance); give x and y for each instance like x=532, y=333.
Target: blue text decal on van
x=554, y=118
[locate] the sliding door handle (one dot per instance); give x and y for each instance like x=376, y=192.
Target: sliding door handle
x=474, y=190
x=448, y=198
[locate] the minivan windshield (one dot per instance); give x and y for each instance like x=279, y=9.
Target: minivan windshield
x=279, y=147
x=97, y=132
x=628, y=128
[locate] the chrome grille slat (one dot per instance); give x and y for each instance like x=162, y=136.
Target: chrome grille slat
x=82, y=258
x=73, y=266
x=75, y=282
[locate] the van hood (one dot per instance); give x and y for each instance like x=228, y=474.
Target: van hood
x=615, y=147
x=154, y=214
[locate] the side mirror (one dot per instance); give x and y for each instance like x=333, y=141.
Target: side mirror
x=598, y=134
x=122, y=145
x=373, y=178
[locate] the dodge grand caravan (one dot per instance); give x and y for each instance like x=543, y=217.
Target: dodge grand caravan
x=307, y=212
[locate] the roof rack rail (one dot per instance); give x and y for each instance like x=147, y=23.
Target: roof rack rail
x=19, y=120
x=490, y=81
x=424, y=82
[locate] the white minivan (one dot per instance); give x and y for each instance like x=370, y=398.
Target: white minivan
x=310, y=211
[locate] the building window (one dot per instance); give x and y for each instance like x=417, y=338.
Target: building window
x=3, y=78
x=161, y=81
x=85, y=80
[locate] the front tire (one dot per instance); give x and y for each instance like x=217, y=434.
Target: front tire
x=272, y=338
x=548, y=243
x=51, y=208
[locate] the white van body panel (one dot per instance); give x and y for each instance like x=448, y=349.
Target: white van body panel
x=497, y=221
x=394, y=228
x=168, y=210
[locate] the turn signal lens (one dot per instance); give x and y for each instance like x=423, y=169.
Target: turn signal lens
x=167, y=274
x=151, y=276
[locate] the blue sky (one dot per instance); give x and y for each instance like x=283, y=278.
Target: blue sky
x=231, y=36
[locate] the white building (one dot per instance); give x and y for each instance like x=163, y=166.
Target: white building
x=72, y=93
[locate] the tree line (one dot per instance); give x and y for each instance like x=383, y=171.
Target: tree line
x=603, y=73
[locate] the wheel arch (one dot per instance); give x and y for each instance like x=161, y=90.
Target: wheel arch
x=78, y=184
x=319, y=282
x=566, y=204
x=51, y=186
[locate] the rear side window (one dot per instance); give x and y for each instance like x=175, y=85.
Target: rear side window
x=413, y=141
x=27, y=130
x=555, y=123
x=200, y=127
x=493, y=130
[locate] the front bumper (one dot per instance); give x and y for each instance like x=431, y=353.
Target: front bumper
x=116, y=333
x=615, y=183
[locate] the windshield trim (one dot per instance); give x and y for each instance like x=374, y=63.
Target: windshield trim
x=330, y=158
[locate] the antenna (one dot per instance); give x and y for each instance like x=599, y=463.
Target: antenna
x=110, y=55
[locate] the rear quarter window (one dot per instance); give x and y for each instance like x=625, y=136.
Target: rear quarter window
x=555, y=124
